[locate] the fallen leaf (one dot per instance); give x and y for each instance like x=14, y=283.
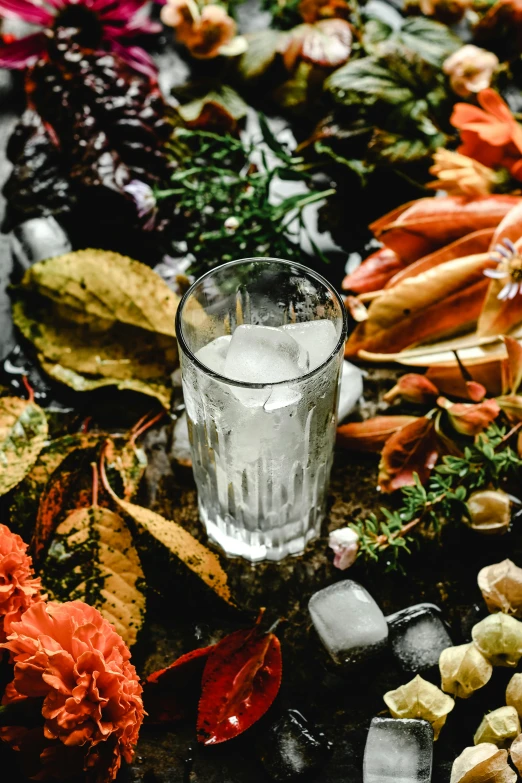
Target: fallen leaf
x=23, y=432
x=422, y=226
x=435, y=304
x=263, y=47
x=327, y=43
x=420, y=700
x=372, y=434
x=241, y=679
x=178, y=542
x=92, y=558
x=486, y=371
x=483, y=763
x=463, y=670
x=468, y=245
x=99, y=319
x=374, y=272
x=501, y=587
x=220, y=110
x=413, y=387
x=514, y=364
x=412, y=450
x=168, y=694
x=470, y=418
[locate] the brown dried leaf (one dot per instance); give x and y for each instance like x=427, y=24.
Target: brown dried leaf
x=501, y=587
x=92, y=558
x=499, y=639
x=514, y=364
x=470, y=418
x=23, y=432
x=372, y=434
x=412, y=449
x=420, y=699
x=463, y=670
x=482, y=764
x=499, y=727
x=413, y=387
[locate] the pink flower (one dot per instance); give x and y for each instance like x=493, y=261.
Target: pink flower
x=509, y=268
x=70, y=656
x=470, y=69
x=18, y=587
x=345, y=545
x=103, y=24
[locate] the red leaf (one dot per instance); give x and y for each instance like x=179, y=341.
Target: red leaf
x=240, y=681
x=413, y=387
x=374, y=272
x=469, y=419
x=476, y=391
x=514, y=352
x=372, y=434
x=413, y=449
x=169, y=693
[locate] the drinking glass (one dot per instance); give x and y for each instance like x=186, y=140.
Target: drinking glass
x=261, y=451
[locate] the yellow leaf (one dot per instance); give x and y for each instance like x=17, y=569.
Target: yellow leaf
x=23, y=432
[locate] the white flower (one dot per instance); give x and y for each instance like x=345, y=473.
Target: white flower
x=345, y=544
x=509, y=263
x=231, y=223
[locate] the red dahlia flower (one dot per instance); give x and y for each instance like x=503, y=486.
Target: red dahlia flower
x=18, y=587
x=101, y=24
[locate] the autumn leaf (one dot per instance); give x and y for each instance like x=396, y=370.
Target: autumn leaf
x=413, y=449
x=468, y=245
x=372, y=434
x=168, y=694
x=99, y=319
x=23, y=432
x=413, y=387
x=327, y=43
x=374, y=272
x=240, y=681
x=177, y=541
x=467, y=418
x=221, y=109
x=514, y=364
x=436, y=303
x=422, y=226
x=92, y=558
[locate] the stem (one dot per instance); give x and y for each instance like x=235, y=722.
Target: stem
x=94, y=484
x=511, y=432
x=143, y=425
x=29, y=389
x=384, y=540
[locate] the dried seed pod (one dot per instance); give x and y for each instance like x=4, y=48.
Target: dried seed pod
x=420, y=699
x=463, y=670
x=483, y=763
x=501, y=587
x=499, y=727
x=499, y=638
x=514, y=693
x=489, y=511
x=515, y=752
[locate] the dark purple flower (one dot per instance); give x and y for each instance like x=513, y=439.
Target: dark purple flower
x=102, y=24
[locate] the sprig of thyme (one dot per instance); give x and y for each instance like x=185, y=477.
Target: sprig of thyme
x=222, y=199
x=487, y=462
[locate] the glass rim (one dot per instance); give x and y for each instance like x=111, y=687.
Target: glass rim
x=243, y=384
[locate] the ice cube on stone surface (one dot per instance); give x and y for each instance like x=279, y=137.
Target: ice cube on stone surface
x=398, y=751
x=292, y=748
x=418, y=636
x=319, y=338
x=264, y=354
x=214, y=354
x=348, y=621
x=351, y=389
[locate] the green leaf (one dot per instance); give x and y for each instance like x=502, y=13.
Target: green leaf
x=375, y=31
x=262, y=49
x=23, y=432
x=433, y=41
x=366, y=82
x=395, y=149
x=222, y=107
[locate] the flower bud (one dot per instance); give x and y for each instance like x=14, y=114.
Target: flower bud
x=489, y=511
x=499, y=639
x=345, y=544
x=463, y=670
x=413, y=388
x=499, y=727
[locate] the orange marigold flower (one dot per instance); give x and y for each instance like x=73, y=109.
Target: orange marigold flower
x=18, y=586
x=490, y=134
x=73, y=658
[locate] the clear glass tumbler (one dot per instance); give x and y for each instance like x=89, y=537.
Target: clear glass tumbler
x=262, y=452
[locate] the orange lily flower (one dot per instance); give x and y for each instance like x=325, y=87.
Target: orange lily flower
x=491, y=134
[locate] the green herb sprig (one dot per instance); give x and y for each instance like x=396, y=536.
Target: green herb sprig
x=487, y=462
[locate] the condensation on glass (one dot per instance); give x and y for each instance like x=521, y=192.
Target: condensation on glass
x=262, y=452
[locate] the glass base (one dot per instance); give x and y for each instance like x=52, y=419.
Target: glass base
x=256, y=546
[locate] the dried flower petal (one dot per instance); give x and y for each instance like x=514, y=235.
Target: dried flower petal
x=413, y=387
x=499, y=727
x=464, y=670
x=501, y=587
x=484, y=763
x=420, y=699
x=515, y=752
x=345, y=544
x=489, y=511
x=499, y=638
x=514, y=693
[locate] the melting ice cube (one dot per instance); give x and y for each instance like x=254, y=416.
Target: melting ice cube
x=214, y=354
x=319, y=338
x=348, y=621
x=418, y=636
x=264, y=354
x=292, y=748
x=398, y=751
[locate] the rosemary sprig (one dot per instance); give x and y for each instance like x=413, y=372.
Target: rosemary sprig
x=486, y=463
